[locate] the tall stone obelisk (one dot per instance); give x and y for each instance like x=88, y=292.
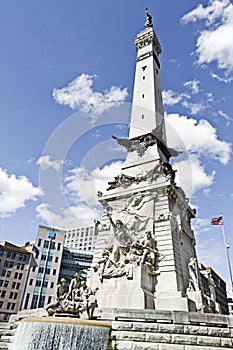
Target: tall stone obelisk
x=145, y=254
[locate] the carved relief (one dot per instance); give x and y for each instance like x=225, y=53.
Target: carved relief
x=193, y=275
x=79, y=300
x=125, y=180
x=120, y=259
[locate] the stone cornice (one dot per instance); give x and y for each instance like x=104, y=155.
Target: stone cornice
x=148, y=37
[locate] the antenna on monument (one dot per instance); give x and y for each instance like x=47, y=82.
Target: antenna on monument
x=148, y=23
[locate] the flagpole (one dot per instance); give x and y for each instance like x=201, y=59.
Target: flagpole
x=228, y=256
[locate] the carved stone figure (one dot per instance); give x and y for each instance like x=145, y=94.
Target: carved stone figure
x=150, y=250
x=80, y=300
x=121, y=239
x=74, y=284
x=148, y=22
x=193, y=275
x=57, y=299
x=168, y=171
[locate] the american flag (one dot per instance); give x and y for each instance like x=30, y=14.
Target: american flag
x=217, y=221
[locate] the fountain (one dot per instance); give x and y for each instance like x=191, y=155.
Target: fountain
x=58, y=333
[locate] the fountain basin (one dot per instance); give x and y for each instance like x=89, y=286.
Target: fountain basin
x=61, y=333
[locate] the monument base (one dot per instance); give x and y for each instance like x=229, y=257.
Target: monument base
x=123, y=292
x=173, y=301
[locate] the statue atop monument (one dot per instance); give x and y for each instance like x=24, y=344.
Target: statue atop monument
x=148, y=23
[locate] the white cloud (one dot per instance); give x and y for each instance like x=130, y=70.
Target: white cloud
x=223, y=80
x=81, y=95
x=196, y=136
x=171, y=98
x=215, y=42
x=65, y=218
x=193, y=85
x=15, y=192
x=191, y=175
x=194, y=107
x=201, y=225
x=225, y=116
x=82, y=185
x=46, y=162
x=80, y=189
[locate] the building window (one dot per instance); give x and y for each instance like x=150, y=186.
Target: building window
x=54, y=272
x=38, y=283
x=13, y=285
x=15, y=295
x=16, y=275
x=33, y=268
x=25, y=258
x=13, y=255
x=20, y=276
x=143, y=77
x=47, y=271
x=58, y=246
x=1, y=283
x=51, y=284
x=3, y=294
x=17, y=285
x=8, y=306
x=22, y=266
x=56, y=259
x=41, y=301
x=12, y=306
x=1, y=304
x=11, y=295
x=39, y=242
x=41, y=270
x=30, y=282
x=8, y=254
x=46, y=244
x=26, y=300
x=5, y=283
x=43, y=257
x=20, y=257
x=8, y=274
x=143, y=95
x=1, y=252
x=52, y=245
x=34, y=301
x=6, y=263
x=18, y=266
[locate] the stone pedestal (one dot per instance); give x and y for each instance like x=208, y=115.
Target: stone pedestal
x=121, y=292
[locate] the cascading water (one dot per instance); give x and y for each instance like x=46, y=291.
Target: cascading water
x=57, y=335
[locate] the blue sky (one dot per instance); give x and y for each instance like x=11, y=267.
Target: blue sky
x=63, y=67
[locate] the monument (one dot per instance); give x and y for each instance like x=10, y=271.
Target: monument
x=146, y=248
x=145, y=282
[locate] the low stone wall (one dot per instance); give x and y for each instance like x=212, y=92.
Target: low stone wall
x=167, y=330
x=158, y=330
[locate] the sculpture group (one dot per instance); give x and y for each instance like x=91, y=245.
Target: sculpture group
x=78, y=299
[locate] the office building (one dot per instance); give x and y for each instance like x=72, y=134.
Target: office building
x=83, y=236
x=15, y=263
x=44, y=277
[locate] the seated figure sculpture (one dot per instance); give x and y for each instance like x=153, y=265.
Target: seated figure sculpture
x=79, y=301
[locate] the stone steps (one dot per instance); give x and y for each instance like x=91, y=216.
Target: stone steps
x=6, y=333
